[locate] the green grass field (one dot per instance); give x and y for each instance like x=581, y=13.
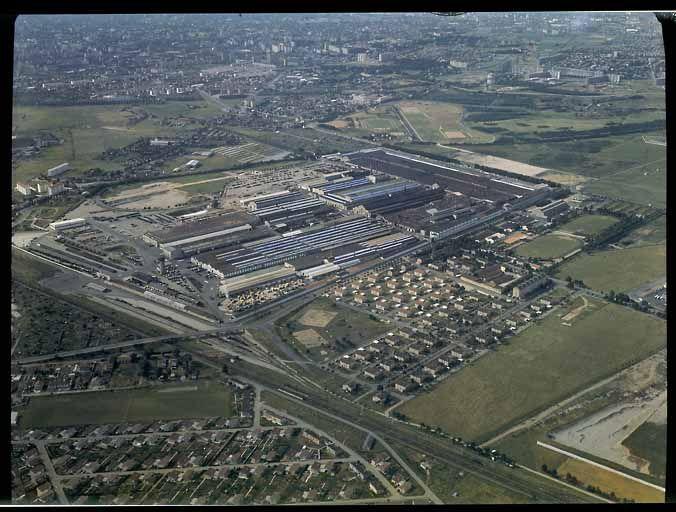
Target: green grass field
x=542, y=365
x=588, y=224
x=619, y=270
x=548, y=247
x=208, y=400
x=644, y=184
x=649, y=441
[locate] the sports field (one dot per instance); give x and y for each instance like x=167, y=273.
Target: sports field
x=196, y=400
x=548, y=247
x=542, y=365
x=588, y=224
x=442, y=122
x=341, y=328
x=619, y=270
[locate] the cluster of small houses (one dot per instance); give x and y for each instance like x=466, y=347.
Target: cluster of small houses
x=30, y=481
x=444, y=312
x=190, y=449
x=97, y=374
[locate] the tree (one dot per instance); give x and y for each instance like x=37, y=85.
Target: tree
x=545, y=469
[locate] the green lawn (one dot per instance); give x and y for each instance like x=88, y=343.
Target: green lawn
x=588, y=224
x=649, y=441
x=542, y=365
x=548, y=247
x=619, y=270
x=208, y=400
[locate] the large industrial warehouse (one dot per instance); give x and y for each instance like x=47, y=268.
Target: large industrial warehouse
x=451, y=177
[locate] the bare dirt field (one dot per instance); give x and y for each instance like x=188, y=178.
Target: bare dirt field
x=570, y=316
x=24, y=238
x=317, y=317
x=309, y=338
x=454, y=135
x=502, y=163
x=563, y=178
x=515, y=237
x=339, y=123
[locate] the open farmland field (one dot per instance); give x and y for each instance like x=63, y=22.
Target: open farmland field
x=547, y=362
x=588, y=224
x=619, y=270
x=203, y=400
x=548, y=247
x=609, y=482
x=440, y=122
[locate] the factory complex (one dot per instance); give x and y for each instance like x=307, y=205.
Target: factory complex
x=343, y=212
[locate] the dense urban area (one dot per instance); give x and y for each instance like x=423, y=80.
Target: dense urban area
x=353, y=258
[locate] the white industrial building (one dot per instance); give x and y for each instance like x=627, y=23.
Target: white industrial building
x=67, y=224
x=58, y=170
x=24, y=189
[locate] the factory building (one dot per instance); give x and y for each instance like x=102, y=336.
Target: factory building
x=24, y=188
x=58, y=170
x=526, y=288
x=550, y=211
x=67, y=224
x=351, y=193
x=257, y=279
x=178, y=235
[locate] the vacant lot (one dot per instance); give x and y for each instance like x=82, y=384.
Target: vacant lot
x=619, y=270
x=588, y=224
x=541, y=366
x=209, y=399
x=548, y=247
x=610, y=482
x=652, y=233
